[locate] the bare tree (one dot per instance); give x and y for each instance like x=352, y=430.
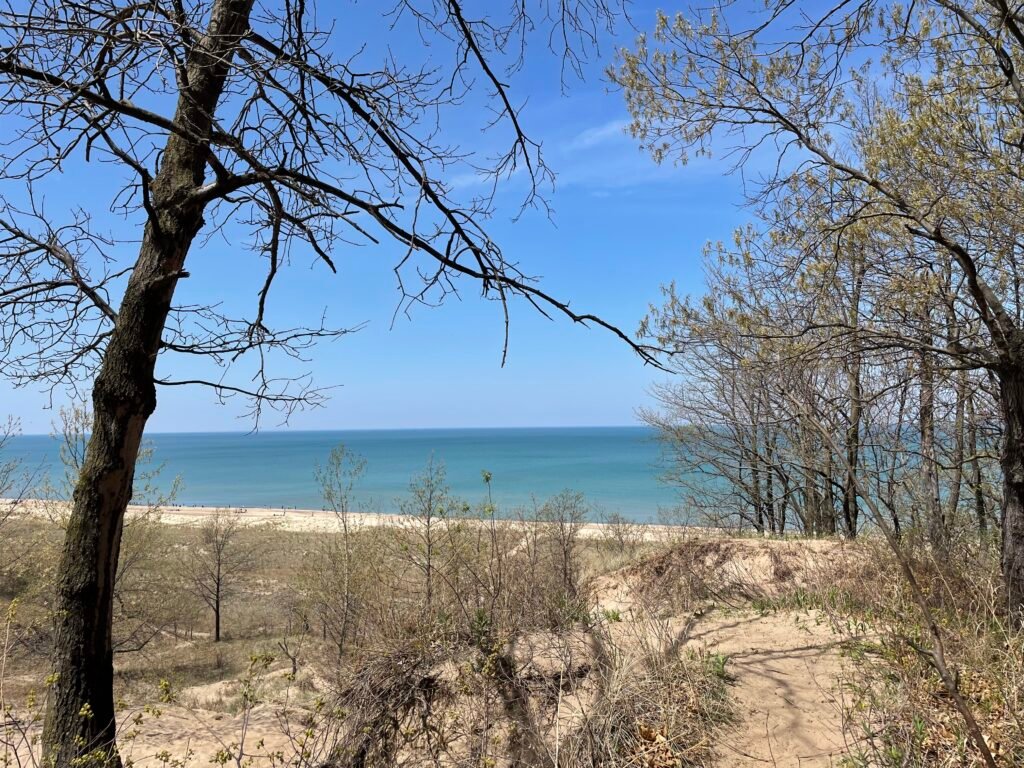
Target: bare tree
x=817, y=324
x=565, y=514
x=331, y=581
x=425, y=512
x=213, y=113
x=622, y=532
x=216, y=561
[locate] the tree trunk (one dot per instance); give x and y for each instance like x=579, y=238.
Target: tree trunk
x=346, y=584
x=1011, y=396
x=855, y=392
x=756, y=501
x=934, y=519
x=216, y=621
x=956, y=479
x=829, y=496
x=784, y=501
x=218, y=582
x=80, y=712
x=123, y=398
x=769, y=485
x=980, y=510
x=851, y=513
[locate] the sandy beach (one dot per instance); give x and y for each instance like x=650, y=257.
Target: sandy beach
x=320, y=520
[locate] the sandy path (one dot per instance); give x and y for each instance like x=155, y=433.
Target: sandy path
x=785, y=667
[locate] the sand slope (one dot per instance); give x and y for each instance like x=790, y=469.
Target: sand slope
x=785, y=667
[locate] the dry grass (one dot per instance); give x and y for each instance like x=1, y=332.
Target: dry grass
x=899, y=713
x=494, y=655
x=525, y=648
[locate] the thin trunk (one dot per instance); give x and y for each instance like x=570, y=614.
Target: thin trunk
x=80, y=712
x=755, y=485
x=216, y=608
x=346, y=587
x=980, y=510
x=851, y=513
x=929, y=467
x=784, y=503
x=830, y=496
x=959, y=449
x=769, y=484
x=809, y=515
x=429, y=572
x=892, y=482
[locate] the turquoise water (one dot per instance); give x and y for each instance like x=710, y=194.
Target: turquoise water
x=616, y=468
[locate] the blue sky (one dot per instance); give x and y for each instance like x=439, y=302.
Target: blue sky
x=621, y=227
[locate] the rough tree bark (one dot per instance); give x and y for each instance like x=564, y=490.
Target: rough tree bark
x=80, y=716
x=1011, y=395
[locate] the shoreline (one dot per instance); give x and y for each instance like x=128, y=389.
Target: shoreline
x=313, y=520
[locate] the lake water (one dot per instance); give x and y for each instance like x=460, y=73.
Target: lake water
x=617, y=468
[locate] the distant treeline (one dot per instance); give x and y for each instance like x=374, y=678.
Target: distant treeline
x=781, y=420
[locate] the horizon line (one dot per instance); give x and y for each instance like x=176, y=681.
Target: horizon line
x=634, y=425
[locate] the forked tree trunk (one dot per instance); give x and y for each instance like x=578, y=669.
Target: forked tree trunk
x=80, y=713
x=1011, y=395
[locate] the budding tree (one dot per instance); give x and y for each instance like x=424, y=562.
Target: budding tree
x=901, y=121
x=216, y=561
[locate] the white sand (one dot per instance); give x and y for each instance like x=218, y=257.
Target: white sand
x=319, y=520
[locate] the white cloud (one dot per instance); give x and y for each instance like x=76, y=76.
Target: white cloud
x=598, y=135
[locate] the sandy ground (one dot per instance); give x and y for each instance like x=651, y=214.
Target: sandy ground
x=785, y=668
x=178, y=735
x=319, y=520
x=785, y=665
